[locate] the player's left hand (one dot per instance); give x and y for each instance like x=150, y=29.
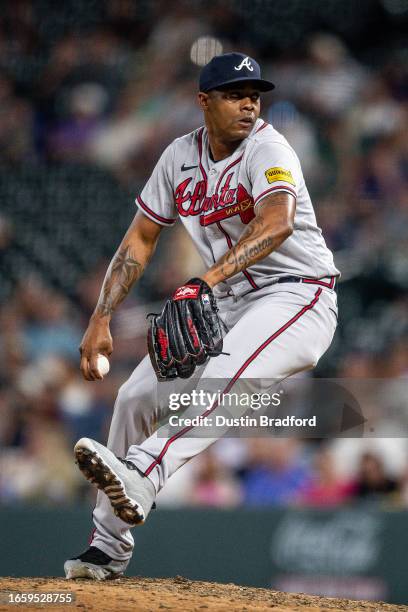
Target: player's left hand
x=186, y=333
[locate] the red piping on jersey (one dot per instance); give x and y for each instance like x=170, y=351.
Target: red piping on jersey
x=200, y=152
x=264, y=125
x=280, y=187
x=203, y=172
x=236, y=376
x=229, y=241
x=151, y=212
x=230, y=245
x=226, y=170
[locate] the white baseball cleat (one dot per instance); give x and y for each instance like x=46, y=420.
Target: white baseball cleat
x=130, y=493
x=94, y=564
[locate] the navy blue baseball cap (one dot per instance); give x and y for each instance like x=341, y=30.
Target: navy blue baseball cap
x=232, y=68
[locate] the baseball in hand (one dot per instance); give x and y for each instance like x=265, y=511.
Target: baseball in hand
x=102, y=363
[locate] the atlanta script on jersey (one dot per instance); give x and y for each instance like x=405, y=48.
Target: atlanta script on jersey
x=215, y=200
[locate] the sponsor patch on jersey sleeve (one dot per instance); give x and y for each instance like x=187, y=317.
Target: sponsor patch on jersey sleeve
x=279, y=174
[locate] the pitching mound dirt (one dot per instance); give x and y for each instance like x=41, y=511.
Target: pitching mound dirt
x=149, y=594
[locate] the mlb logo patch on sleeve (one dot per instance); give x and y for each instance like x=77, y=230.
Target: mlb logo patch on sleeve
x=279, y=174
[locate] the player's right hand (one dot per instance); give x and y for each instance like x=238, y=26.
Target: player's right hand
x=97, y=340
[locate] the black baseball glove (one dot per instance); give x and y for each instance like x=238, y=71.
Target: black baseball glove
x=186, y=333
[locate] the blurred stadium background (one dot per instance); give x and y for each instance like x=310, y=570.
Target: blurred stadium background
x=90, y=94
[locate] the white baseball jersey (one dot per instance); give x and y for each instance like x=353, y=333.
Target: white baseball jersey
x=270, y=333
x=215, y=200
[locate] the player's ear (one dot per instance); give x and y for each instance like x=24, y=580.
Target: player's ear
x=202, y=100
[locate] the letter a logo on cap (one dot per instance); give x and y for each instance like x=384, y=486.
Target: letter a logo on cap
x=245, y=62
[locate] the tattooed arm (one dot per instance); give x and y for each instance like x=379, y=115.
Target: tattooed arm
x=125, y=269
x=272, y=225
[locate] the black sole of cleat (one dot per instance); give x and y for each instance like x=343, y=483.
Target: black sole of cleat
x=98, y=473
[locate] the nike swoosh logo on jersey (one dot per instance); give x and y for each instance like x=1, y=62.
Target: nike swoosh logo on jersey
x=184, y=167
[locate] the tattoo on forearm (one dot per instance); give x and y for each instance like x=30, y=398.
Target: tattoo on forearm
x=256, y=243
x=122, y=273
x=242, y=256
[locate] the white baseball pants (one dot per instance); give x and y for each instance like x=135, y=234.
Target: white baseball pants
x=272, y=333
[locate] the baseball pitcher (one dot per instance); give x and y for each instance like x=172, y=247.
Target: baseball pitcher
x=265, y=308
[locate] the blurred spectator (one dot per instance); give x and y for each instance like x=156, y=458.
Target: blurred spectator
x=16, y=124
x=80, y=87
x=372, y=482
x=12, y=347
x=84, y=410
x=376, y=114
x=348, y=453
x=300, y=132
x=331, y=79
x=214, y=485
x=325, y=488
x=47, y=328
x=275, y=474
x=41, y=471
x=71, y=136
